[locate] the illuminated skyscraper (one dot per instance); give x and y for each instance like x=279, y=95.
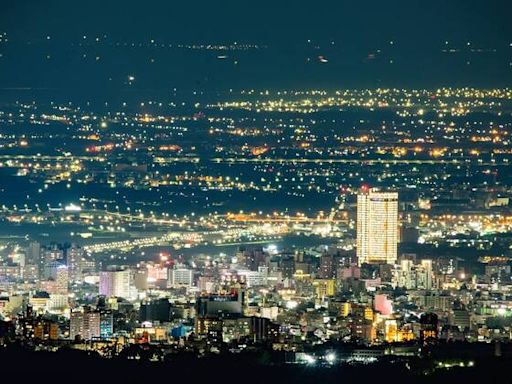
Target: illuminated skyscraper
x=180, y=277
x=106, y=324
x=62, y=280
x=74, y=256
x=116, y=283
x=85, y=323
x=377, y=227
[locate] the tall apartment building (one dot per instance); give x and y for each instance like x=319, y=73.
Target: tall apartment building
x=377, y=227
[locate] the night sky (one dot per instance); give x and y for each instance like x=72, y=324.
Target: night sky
x=366, y=44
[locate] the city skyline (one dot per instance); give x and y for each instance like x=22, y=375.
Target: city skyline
x=260, y=192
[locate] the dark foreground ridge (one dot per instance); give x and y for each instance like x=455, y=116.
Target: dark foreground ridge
x=80, y=366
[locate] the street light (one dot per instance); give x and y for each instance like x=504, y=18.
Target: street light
x=330, y=357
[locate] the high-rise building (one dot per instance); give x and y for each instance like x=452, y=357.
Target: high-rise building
x=62, y=279
x=391, y=330
x=46, y=329
x=85, y=323
x=287, y=266
x=140, y=279
x=106, y=324
x=33, y=253
x=74, y=256
x=324, y=288
x=58, y=302
x=205, y=284
x=252, y=259
x=155, y=310
x=230, y=303
x=327, y=268
x=255, y=278
x=461, y=318
x=32, y=260
x=404, y=275
x=50, y=269
x=76, y=323
x=424, y=275
x=362, y=329
x=377, y=227
x=56, y=278
x=433, y=301
x=409, y=275
x=180, y=277
x=116, y=283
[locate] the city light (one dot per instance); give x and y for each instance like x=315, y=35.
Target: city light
x=231, y=192
x=330, y=357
